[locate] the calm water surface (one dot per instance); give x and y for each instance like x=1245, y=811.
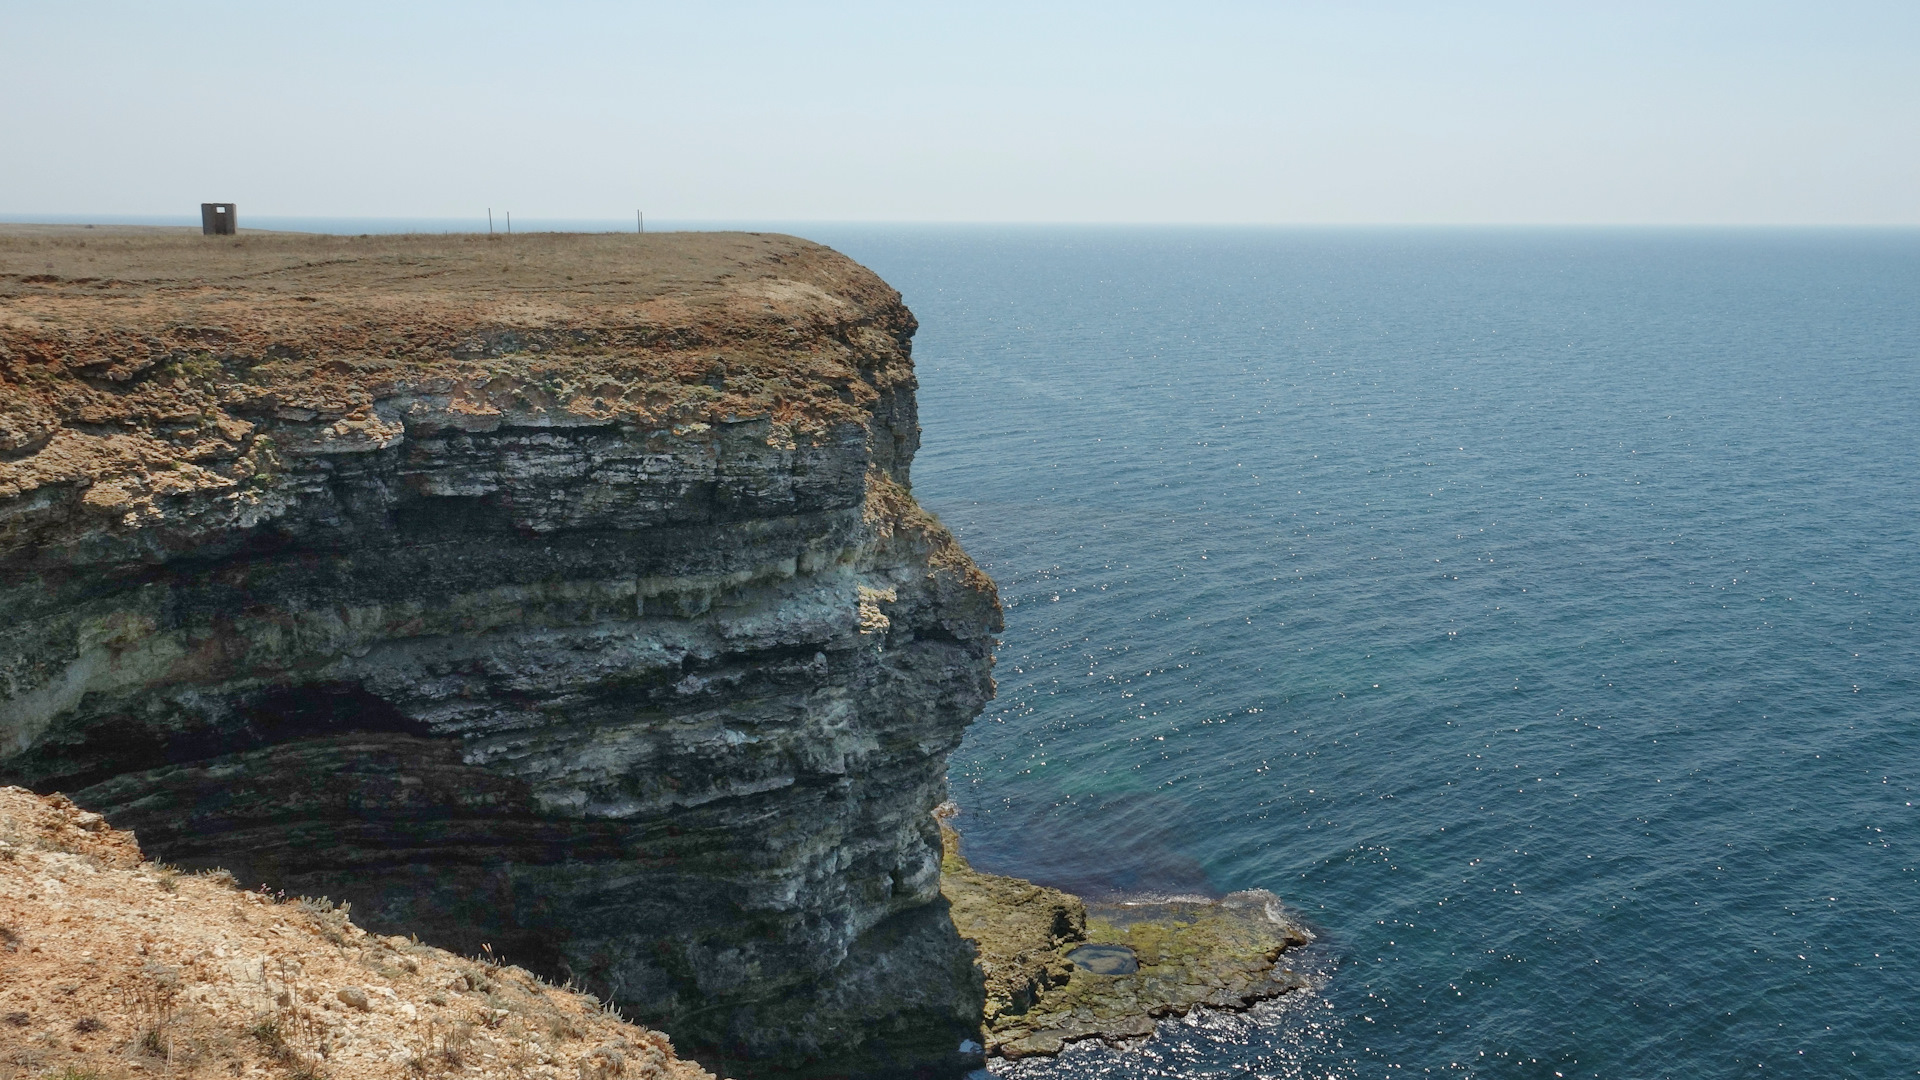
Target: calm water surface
x=1536, y=612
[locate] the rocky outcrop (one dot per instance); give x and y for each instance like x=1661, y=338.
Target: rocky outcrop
x=1060, y=970
x=112, y=966
x=562, y=595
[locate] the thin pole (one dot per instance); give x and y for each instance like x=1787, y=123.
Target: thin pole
x=639, y=222
x=509, y=223
x=489, y=221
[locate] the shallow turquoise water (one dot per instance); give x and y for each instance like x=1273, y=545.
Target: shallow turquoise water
x=1535, y=611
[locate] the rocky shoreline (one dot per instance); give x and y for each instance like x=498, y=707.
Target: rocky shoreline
x=1059, y=969
x=562, y=599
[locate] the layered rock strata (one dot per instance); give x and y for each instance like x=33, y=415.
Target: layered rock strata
x=560, y=595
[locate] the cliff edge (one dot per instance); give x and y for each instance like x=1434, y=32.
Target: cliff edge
x=560, y=594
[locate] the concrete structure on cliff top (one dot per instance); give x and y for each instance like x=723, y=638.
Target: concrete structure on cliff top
x=564, y=594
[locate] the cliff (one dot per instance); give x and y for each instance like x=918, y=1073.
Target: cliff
x=112, y=966
x=562, y=594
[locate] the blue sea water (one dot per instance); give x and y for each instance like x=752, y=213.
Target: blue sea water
x=1536, y=611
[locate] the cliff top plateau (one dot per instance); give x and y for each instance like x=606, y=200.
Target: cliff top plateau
x=114, y=967
x=151, y=350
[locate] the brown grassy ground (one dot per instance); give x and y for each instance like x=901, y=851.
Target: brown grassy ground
x=111, y=967
x=139, y=365
x=123, y=261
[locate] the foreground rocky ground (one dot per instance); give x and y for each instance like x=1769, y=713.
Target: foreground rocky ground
x=1159, y=959
x=114, y=967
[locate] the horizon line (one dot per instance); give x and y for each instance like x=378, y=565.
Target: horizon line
x=188, y=220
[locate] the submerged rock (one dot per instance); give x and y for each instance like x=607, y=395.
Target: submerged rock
x=1059, y=969
x=1105, y=959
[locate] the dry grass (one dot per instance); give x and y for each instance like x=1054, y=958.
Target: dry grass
x=107, y=972
x=142, y=366
x=614, y=266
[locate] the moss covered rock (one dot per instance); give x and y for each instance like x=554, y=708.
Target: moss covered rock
x=1221, y=953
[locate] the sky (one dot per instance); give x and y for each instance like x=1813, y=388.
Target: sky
x=1286, y=113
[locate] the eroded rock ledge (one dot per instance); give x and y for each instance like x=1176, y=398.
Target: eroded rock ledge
x=1059, y=969
x=563, y=594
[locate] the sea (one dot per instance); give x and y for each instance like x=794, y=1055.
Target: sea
x=1535, y=611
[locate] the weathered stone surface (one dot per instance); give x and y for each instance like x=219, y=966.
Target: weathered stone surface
x=1022, y=931
x=590, y=620
x=1218, y=953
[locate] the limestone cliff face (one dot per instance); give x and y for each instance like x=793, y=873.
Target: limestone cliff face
x=563, y=594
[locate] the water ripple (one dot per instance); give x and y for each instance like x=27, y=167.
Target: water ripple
x=1535, y=611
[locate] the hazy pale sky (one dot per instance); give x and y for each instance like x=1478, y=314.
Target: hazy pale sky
x=1597, y=112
